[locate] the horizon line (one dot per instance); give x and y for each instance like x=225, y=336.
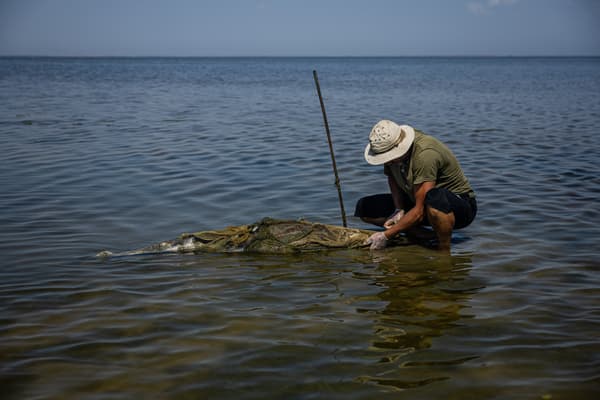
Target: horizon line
x=309, y=56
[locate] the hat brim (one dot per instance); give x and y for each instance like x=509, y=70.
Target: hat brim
x=395, y=152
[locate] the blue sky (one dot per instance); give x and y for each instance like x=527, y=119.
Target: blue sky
x=299, y=28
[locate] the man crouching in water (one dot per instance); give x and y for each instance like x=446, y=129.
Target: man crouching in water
x=427, y=184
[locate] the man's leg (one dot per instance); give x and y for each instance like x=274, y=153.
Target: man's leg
x=375, y=209
x=379, y=221
x=440, y=213
x=443, y=224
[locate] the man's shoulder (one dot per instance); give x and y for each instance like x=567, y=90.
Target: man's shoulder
x=426, y=145
x=429, y=145
x=425, y=140
x=426, y=156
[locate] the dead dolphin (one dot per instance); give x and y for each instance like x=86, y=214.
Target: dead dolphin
x=266, y=236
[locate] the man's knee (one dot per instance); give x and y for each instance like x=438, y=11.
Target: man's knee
x=437, y=199
x=439, y=211
x=437, y=217
x=374, y=206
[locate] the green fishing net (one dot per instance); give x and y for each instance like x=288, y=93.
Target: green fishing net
x=266, y=236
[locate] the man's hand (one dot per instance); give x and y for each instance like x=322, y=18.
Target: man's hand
x=377, y=241
x=395, y=217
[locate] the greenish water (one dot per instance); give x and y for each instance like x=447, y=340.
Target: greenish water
x=120, y=153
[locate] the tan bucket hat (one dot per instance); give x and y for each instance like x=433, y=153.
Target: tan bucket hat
x=388, y=141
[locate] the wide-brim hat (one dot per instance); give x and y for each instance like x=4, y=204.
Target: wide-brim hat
x=388, y=141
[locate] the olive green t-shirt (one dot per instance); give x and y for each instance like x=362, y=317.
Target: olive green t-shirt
x=430, y=161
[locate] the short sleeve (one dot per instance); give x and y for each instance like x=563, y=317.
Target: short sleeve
x=425, y=166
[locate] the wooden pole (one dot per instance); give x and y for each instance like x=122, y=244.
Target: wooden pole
x=337, y=179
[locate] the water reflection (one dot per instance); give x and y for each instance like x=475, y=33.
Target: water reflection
x=425, y=296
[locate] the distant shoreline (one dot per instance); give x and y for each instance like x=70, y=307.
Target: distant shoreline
x=300, y=57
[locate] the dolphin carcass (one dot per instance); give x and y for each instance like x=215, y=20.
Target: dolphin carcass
x=266, y=236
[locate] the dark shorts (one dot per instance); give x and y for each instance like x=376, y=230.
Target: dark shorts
x=464, y=206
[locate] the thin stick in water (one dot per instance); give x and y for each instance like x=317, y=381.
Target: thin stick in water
x=337, y=179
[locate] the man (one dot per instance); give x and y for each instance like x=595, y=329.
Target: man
x=427, y=184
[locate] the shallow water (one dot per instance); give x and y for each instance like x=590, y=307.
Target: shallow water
x=120, y=153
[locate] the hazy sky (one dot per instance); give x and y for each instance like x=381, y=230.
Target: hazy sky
x=299, y=27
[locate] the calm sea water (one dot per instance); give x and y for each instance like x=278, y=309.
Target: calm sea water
x=120, y=153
